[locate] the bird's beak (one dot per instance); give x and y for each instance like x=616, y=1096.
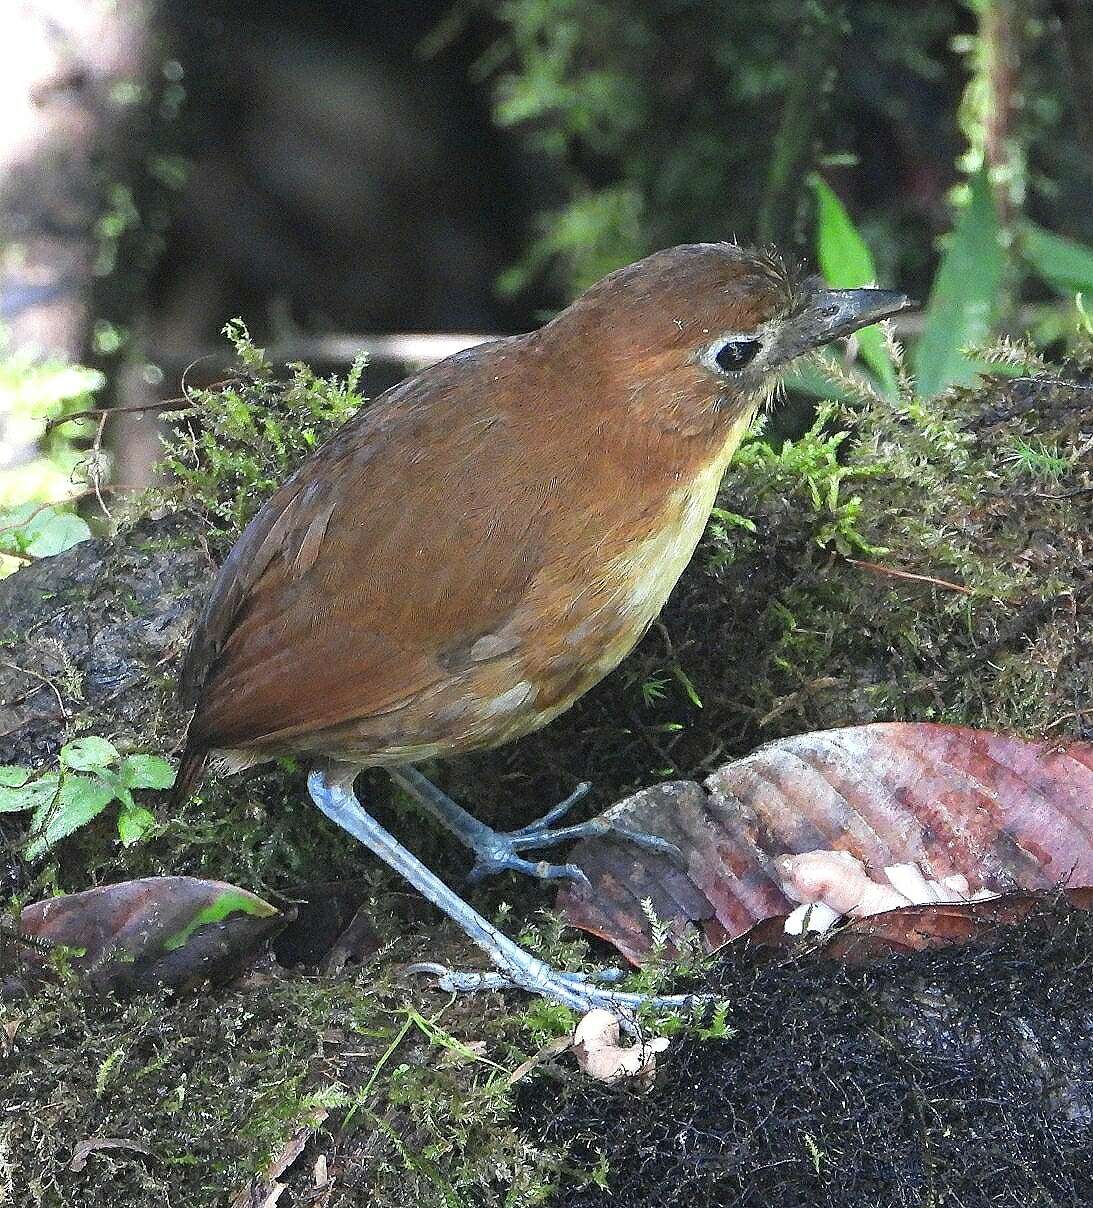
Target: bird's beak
x=832, y=313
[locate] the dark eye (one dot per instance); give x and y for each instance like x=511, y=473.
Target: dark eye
x=736, y=354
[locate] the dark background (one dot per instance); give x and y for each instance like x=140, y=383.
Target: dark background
x=349, y=169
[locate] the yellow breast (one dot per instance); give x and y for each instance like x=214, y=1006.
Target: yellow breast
x=646, y=574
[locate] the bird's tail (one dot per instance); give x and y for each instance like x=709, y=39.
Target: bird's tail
x=191, y=769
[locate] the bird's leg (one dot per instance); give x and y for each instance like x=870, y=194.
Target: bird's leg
x=498, y=851
x=333, y=794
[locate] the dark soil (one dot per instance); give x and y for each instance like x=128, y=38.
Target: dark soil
x=957, y=1077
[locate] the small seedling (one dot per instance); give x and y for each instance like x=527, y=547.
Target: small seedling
x=90, y=775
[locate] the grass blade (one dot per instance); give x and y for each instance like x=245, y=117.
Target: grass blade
x=964, y=299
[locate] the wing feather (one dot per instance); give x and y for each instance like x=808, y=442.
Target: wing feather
x=415, y=529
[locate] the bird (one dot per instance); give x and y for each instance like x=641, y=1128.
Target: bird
x=477, y=547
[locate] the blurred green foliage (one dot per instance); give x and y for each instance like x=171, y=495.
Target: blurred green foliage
x=660, y=118
x=963, y=303
x=939, y=127
x=37, y=491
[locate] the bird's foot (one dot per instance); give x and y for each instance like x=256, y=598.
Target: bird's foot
x=517, y=967
x=499, y=851
x=582, y=992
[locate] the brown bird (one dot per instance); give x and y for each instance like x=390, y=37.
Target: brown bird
x=486, y=541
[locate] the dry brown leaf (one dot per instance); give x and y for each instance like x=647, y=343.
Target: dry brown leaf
x=166, y=931
x=1009, y=815
x=85, y=1148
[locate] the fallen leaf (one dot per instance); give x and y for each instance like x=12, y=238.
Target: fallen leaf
x=915, y=928
x=157, y=931
x=599, y=1053
x=1007, y=814
x=265, y=1191
x=558, y=1045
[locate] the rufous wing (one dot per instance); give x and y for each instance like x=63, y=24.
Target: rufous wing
x=415, y=529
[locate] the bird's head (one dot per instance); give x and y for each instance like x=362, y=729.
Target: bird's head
x=699, y=335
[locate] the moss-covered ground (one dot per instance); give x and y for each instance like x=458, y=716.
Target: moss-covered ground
x=801, y=610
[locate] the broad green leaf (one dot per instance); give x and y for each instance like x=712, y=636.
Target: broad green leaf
x=88, y=753
x=20, y=789
x=146, y=772
x=1063, y=263
x=42, y=532
x=116, y=785
x=80, y=799
x=846, y=262
x=133, y=823
x=964, y=298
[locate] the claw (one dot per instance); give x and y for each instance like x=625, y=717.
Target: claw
x=540, y=869
x=496, y=852
x=518, y=968
x=559, y=811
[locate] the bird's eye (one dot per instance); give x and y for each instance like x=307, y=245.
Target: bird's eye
x=735, y=354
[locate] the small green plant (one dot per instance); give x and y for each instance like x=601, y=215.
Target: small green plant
x=37, y=494
x=1036, y=459
x=90, y=775
x=814, y=468
x=653, y=689
x=237, y=442
x=546, y=1021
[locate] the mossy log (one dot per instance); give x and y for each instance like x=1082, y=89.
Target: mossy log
x=897, y=561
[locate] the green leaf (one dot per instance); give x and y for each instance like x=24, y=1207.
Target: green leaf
x=133, y=823
x=687, y=684
x=20, y=789
x=146, y=772
x=86, y=754
x=964, y=298
x=117, y=786
x=81, y=798
x=846, y=262
x=1063, y=263
x=40, y=531
x=732, y=519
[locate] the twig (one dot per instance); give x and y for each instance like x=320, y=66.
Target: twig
x=878, y=569
x=183, y=402
x=94, y=464
x=43, y=679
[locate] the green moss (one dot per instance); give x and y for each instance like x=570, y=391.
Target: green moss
x=780, y=625
x=237, y=443
x=210, y=1090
